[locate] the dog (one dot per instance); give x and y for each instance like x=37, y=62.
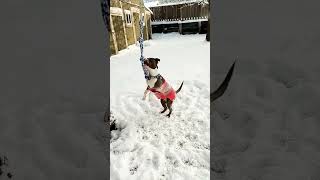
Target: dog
x=159, y=86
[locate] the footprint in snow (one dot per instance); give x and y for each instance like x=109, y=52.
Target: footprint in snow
x=155, y=161
x=192, y=137
x=145, y=137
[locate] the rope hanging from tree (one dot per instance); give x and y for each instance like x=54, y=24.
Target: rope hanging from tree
x=105, y=5
x=145, y=71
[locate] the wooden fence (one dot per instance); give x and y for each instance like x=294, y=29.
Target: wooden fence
x=180, y=12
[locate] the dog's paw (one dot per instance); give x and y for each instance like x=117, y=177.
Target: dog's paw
x=168, y=115
x=163, y=111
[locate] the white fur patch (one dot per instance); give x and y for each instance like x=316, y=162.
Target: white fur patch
x=152, y=72
x=151, y=82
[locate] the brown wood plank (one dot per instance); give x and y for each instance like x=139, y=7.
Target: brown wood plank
x=180, y=11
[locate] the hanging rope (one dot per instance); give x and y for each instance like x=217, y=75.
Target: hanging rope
x=105, y=5
x=145, y=71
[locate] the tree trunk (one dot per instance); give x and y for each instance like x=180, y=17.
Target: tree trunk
x=208, y=30
x=208, y=26
x=105, y=6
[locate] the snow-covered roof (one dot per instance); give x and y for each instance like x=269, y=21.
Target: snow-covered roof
x=158, y=4
x=151, y=4
x=116, y=11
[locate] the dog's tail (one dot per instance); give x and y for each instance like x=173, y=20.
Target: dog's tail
x=222, y=88
x=178, y=90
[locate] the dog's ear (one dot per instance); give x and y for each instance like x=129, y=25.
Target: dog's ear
x=157, y=60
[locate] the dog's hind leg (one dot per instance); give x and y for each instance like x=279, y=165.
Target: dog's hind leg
x=164, y=105
x=169, y=104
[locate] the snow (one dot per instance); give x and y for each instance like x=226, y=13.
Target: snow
x=266, y=126
x=267, y=122
x=178, y=21
x=53, y=90
x=116, y=11
x=149, y=145
x=151, y=4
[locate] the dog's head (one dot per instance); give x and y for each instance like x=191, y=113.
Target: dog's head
x=152, y=62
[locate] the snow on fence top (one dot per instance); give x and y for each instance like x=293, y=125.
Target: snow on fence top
x=184, y=20
x=157, y=4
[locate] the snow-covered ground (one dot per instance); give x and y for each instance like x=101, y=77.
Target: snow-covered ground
x=149, y=145
x=53, y=90
x=267, y=124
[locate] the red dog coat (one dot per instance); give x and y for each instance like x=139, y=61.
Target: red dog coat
x=164, y=92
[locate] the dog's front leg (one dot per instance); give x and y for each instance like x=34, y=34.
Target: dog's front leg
x=145, y=93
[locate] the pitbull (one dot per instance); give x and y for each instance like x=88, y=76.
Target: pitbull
x=159, y=86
